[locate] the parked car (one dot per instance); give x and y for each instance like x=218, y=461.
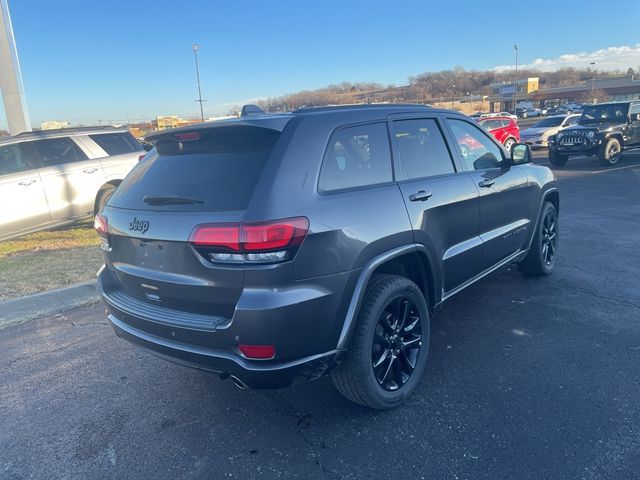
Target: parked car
x=552, y=111
x=273, y=248
x=529, y=112
x=499, y=114
x=538, y=135
x=504, y=129
x=53, y=177
x=604, y=130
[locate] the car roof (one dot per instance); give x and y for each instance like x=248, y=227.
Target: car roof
x=497, y=117
x=60, y=132
x=278, y=121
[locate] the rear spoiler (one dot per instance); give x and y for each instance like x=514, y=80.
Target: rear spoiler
x=271, y=121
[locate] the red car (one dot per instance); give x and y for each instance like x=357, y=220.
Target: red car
x=504, y=129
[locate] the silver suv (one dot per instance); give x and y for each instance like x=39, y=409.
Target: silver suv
x=49, y=178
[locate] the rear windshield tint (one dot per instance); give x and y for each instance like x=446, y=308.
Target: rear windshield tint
x=212, y=170
x=117, y=143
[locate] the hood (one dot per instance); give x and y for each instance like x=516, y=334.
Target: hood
x=602, y=127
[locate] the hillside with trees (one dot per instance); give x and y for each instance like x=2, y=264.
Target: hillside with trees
x=429, y=87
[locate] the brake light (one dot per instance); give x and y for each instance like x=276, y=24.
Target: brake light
x=221, y=235
x=141, y=157
x=101, y=225
x=189, y=136
x=272, y=241
x=260, y=352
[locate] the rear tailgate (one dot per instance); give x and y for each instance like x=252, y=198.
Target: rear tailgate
x=206, y=176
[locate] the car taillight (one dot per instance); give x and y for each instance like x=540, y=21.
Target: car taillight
x=258, y=352
x=273, y=241
x=141, y=157
x=101, y=225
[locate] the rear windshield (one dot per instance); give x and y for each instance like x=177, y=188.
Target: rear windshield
x=117, y=143
x=212, y=170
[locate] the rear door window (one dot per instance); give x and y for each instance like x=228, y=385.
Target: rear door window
x=58, y=151
x=356, y=157
x=422, y=151
x=13, y=159
x=117, y=143
x=211, y=170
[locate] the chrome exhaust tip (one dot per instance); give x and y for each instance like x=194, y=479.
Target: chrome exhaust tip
x=237, y=382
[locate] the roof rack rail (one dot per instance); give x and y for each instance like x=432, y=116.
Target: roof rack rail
x=251, y=110
x=68, y=130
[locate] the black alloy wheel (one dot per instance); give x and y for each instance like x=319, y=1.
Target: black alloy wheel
x=396, y=343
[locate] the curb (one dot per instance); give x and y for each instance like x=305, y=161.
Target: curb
x=22, y=309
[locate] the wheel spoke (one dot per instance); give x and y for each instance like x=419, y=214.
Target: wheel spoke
x=382, y=358
x=405, y=359
x=413, y=343
x=386, y=373
x=404, y=312
x=412, y=325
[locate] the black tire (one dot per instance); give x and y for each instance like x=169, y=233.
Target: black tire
x=384, y=386
x=509, y=143
x=557, y=160
x=542, y=255
x=609, y=152
x=102, y=197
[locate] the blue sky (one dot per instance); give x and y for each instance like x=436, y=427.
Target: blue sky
x=88, y=60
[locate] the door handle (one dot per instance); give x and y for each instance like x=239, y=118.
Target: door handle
x=420, y=196
x=26, y=183
x=90, y=170
x=487, y=183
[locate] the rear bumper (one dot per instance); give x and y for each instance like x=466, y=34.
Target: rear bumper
x=252, y=374
x=303, y=323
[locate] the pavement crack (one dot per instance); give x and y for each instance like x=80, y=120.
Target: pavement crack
x=303, y=422
x=602, y=297
x=33, y=355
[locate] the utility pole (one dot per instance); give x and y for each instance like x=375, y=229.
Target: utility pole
x=199, y=100
x=593, y=75
x=515, y=81
x=453, y=88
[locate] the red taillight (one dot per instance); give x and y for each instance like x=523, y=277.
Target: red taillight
x=141, y=157
x=273, y=235
x=221, y=235
x=260, y=352
x=101, y=224
x=252, y=237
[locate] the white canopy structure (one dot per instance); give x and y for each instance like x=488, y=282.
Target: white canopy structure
x=15, y=105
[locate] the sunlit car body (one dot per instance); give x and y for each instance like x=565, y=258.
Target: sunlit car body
x=538, y=135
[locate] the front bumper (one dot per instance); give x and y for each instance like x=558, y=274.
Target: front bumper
x=303, y=323
x=535, y=142
x=589, y=147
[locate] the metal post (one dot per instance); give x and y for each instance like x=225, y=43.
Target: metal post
x=15, y=104
x=593, y=75
x=453, y=87
x=515, y=81
x=199, y=100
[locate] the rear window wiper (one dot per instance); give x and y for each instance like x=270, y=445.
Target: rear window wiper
x=170, y=200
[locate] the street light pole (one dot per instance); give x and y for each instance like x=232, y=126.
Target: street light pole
x=453, y=88
x=199, y=100
x=593, y=75
x=515, y=80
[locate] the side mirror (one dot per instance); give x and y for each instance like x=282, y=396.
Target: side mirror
x=520, y=154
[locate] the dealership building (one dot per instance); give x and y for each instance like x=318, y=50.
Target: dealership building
x=616, y=88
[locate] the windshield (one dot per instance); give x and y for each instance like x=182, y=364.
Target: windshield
x=549, y=122
x=615, y=112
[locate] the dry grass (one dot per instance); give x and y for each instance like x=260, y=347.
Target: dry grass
x=78, y=235
x=48, y=260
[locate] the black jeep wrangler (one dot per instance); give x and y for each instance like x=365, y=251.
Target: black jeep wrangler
x=604, y=130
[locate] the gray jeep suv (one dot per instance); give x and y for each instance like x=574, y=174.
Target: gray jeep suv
x=274, y=248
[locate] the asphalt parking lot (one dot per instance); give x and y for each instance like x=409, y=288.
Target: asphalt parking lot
x=528, y=378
